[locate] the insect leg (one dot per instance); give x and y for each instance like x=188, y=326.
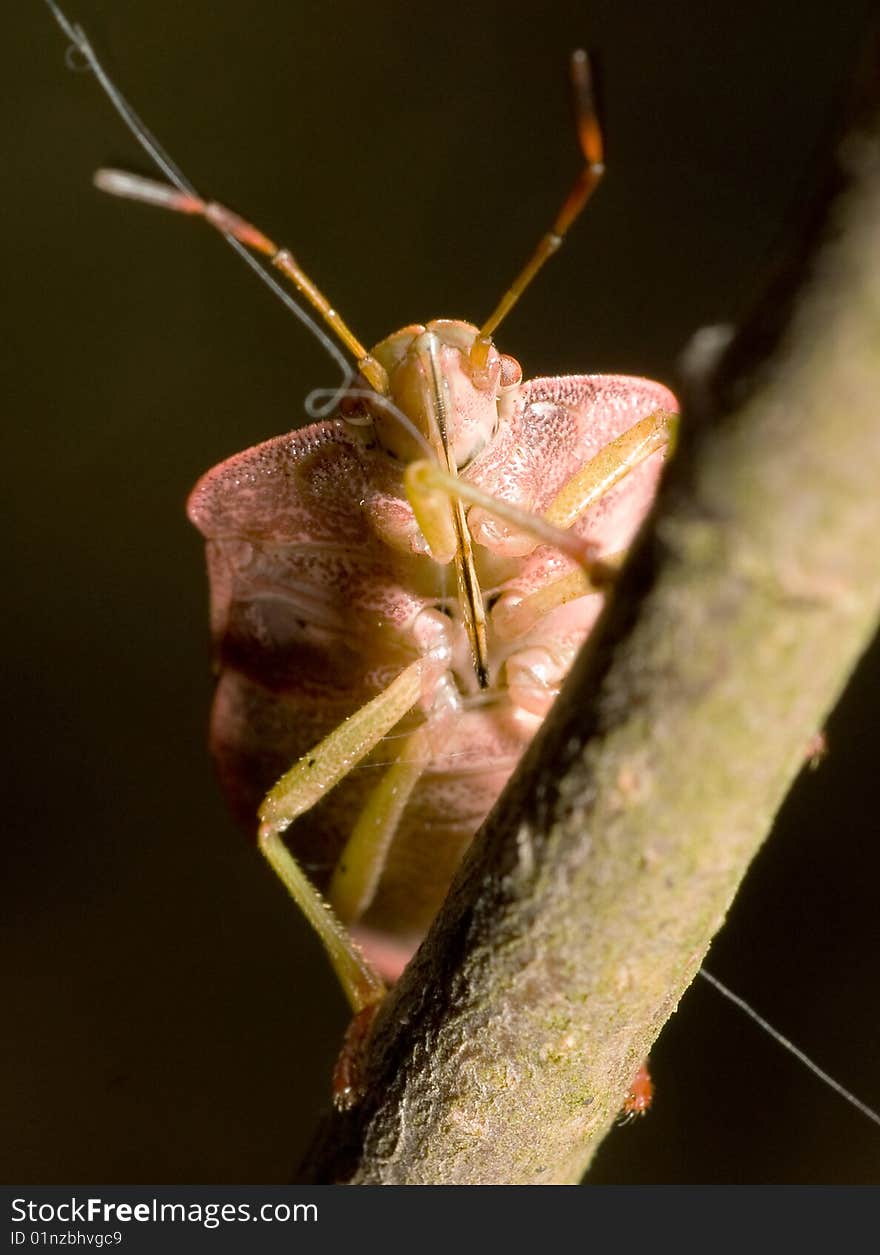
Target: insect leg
x=362, y=861
x=610, y=465
x=299, y=789
x=639, y=1096
x=587, y=486
x=514, y=616
x=428, y=486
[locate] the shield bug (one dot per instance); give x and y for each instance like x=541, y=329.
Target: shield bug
x=398, y=591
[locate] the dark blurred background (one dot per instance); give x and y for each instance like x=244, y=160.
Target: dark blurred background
x=170, y=1017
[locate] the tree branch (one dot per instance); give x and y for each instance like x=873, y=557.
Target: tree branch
x=585, y=907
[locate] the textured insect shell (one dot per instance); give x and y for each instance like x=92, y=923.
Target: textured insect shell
x=313, y=613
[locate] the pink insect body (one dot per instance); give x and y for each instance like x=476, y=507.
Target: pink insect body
x=323, y=589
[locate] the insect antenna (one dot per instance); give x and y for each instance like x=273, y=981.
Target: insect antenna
x=233, y=226
x=788, y=1045
x=157, y=154
x=589, y=135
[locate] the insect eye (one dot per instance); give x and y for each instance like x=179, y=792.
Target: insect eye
x=353, y=408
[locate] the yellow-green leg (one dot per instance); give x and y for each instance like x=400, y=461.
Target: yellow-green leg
x=514, y=616
x=610, y=465
x=362, y=861
x=299, y=789
x=429, y=487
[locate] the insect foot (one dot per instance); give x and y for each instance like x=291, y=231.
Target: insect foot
x=639, y=1097
x=347, y=1074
